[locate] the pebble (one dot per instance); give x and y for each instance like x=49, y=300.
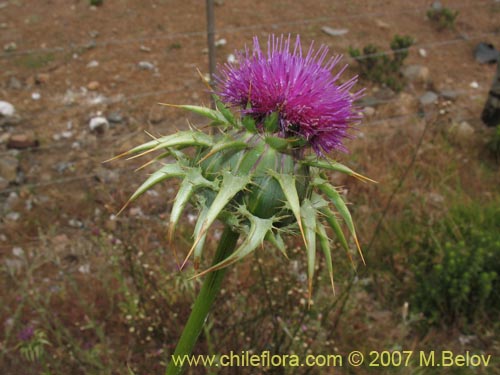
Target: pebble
x=334, y=32
x=382, y=24
x=8, y=168
x=18, y=251
x=146, y=65
x=91, y=45
x=36, y=96
x=41, y=78
x=6, y=109
x=462, y=132
x=474, y=85
x=231, y=59
x=221, y=42
x=13, y=216
x=84, y=268
x=10, y=47
x=22, y=141
x=422, y=52
x=449, y=94
x=368, y=111
x=14, y=84
x=156, y=115
x=428, y=98
x=416, y=73
x=67, y=134
x=75, y=223
x=93, y=64
x=144, y=49
x=93, y=85
x=115, y=117
x=98, y=124
x=136, y=211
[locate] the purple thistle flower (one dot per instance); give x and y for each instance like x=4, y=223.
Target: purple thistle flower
x=26, y=333
x=300, y=89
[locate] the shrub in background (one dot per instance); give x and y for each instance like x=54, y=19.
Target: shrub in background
x=457, y=267
x=444, y=18
x=376, y=66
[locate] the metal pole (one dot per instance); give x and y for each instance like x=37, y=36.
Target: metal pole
x=211, y=38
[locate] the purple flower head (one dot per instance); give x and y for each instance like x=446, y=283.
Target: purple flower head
x=26, y=333
x=301, y=89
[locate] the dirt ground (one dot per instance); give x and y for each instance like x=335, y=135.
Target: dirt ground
x=72, y=62
x=56, y=41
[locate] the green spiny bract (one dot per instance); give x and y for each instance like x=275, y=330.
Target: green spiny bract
x=260, y=185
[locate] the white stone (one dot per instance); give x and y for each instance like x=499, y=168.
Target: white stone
x=428, y=98
x=98, y=124
x=93, y=64
x=7, y=109
x=231, y=59
x=474, y=85
x=334, y=32
x=18, y=251
x=146, y=65
x=221, y=42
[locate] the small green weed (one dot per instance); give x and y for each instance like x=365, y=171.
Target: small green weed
x=33, y=349
x=443, y=18
x=378, y=67
x=36, y=61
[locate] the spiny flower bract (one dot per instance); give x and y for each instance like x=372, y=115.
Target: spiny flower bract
x=301, y=89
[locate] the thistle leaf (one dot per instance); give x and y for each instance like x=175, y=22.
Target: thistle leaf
x=277, y=241
x=277, y=143
x=334, y=166
x=192, y=181
x=165, y=172
x=180, y=139
x=308, y=214
x=212, y=114
x=256, y=234
x=224, y=144
x=341, y=207
x=198, y=250
x=287, y=183
x=228, y=115
x=249, y=124
x=334, y=224
x=229, y=187
x=327, y=251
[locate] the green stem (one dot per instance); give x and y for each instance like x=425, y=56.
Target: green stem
x=204, y=301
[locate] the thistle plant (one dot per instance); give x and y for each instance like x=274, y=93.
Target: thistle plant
x=279, y=114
